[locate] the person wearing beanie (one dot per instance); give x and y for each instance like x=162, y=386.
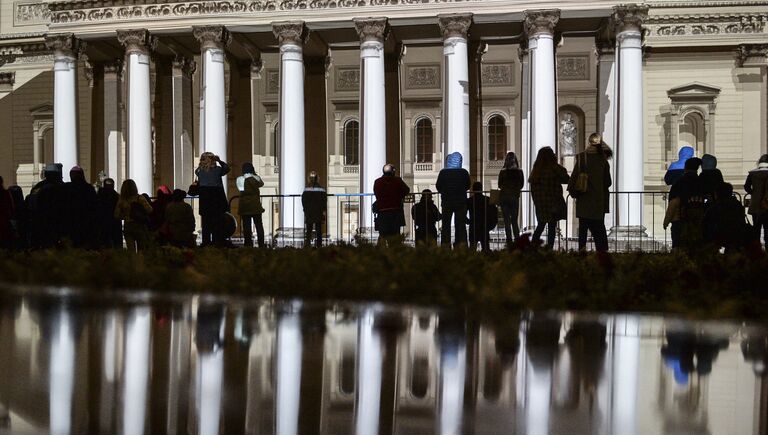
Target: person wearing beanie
x=80, y=210
x=249, y=206
x=453, y=182
x=390, y=191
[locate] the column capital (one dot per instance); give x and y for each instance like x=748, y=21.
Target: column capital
x=64, y=44
x=184, y=65
x=372, y=29
x=454, y=25
x=749, y=52
x=541, y=21
x=290, y=32
x=629, y=17
x=136, y=41
x=212, y=37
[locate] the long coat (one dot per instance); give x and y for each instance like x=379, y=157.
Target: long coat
x=250, y=199
x=595, y=202
x=547, y=193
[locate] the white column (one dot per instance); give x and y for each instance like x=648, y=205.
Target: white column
x=629, y=152
x=540, y=28
x=606, y=111
x=213, y=40
x=373, y=129
x=289, y=351
x=369, y=363
x=65, y=119
x=526, y=155
x=138, y=44
x=455, y=28
x=114, y=162
x=290, y=35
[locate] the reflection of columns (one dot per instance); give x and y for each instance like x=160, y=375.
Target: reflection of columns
x=183, y=152
x=62, y=373
x=369, y=363
x=178, y=369
x=455, y=28
x=111, y=356
x=373, y=131
x=289, y=350
x=114, y=158
x=65, y=120
x=540, y=28
x=626, y=353
x=209, y=338
x=629, y=156
x=453, y=361
x=526, y=154
x=606, y=103
x=213, y=40
x=138, y=44
x=290, y=35
x=136, y=370
x=539, y=398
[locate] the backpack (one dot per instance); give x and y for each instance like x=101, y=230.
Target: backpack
x=491, y=216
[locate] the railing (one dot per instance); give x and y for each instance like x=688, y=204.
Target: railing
x=345, y=212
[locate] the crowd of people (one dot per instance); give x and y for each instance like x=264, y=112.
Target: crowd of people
x=702, y=209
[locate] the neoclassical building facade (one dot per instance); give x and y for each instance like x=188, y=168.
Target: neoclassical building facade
x=140, y=88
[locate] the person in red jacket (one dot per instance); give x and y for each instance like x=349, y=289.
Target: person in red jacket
x=390, y=191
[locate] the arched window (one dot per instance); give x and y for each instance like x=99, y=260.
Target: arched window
x=692, y=132
x=497, y=138
x=352, y=142
x=424, y=141
x=276, y=143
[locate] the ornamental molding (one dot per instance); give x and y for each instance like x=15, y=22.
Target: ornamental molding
x=746, y=53
x=64, y=43
x=497, y=74
x=541, y=21
x=30, y=13
x=347, y=79
x=272, y=82
x=290, y=32
x=422, y=76
x=372, y=29
x=629, y=17
x=212, y=37
x=454, y=25
x=703, y=25
x=7, y=78
x=573, y=68
x=704, y=3
x=136, y=40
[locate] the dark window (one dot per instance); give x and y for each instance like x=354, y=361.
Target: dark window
x=347, y=384
x=497, y=138
x=424, y=141
x=351, y=143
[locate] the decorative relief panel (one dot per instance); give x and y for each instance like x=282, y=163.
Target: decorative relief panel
x=422, y=76
x=498, y=74
x=348, y=79
x=273, y=81
x=573, y=67
x=721, y=24
x=30, y=14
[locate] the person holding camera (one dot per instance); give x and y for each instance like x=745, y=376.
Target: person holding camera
x=213, y=199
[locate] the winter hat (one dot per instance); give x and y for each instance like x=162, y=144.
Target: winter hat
x=692, y=164
x=248, y=168
x=453, y=161
x=708, y=161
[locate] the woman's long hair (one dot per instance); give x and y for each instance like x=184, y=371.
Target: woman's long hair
x=128, y=190
x=510, y=161
x=545, y=161
x=207, y=161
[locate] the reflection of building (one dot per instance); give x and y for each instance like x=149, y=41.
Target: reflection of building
x=556, y=374
x=142, y=88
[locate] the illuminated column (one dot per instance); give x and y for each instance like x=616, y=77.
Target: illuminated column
x=138, y=44
x=369, y=360
x=527, y=156
x=606, y=104
x=373, y=131
x=136, y=370
x=65, y=48
x=629, y=150
x=114, y=158
x=290, y=35
x=453, y=362
x=540, y=30
x=289, y=351
x=455, y=28
x=213, y=40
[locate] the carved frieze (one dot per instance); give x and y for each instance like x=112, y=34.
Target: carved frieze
x=573, y=68
x=273, y=81
x=30, y=14
x=347, y=79
x=715, y=24
x=498, y=74
x=422, y=76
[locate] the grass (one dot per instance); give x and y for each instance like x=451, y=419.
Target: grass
x=704, y=286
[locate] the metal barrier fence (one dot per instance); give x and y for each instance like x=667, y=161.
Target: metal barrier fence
x=345, y=212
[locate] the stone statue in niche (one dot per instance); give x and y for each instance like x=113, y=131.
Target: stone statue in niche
x=568, y=135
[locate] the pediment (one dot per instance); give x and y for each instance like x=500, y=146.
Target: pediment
x=41, y=110
x=696, y=90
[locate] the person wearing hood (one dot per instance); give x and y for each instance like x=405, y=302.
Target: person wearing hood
x=425, y=217
x=6, y=214
x=80, y=210
x=453, y=183
x=180, y=221
x=757, y=186
x=511, y=182
x=546, y=180
x=110, y=233
x=711, y=178
x=677, y=168
x=390, y=191
x=314, y=201
x=593, y=197
x=249, y=206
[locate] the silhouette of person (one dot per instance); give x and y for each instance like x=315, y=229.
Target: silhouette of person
x=425, y=217
x=390, y=191
x=511, y=182
x=592, y=204
x=677, y=168
x=757, y=186
x=249, y=207
x=213, y=199
x=546, y=180
x=314, y=200
x=453, y=182
x=482, y=218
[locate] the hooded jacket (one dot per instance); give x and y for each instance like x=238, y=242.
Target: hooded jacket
x=453, y=181
x=710, y=177
x=675, y=170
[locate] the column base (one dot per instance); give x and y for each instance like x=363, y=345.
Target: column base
x=288, y=237
x=366, y=235
x=632, y=238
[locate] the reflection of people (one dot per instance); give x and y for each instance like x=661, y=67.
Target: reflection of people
x=568, y=135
